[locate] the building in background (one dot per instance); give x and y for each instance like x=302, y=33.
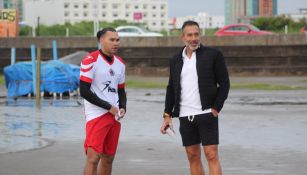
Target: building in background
x=204, y=20
x=13, y=4
x=8, y=4
x=8, y=23
x=243, y=11
x=1, y=4
x=267, y=7
x=234, y=9
x=152, y=13
x=252, y=7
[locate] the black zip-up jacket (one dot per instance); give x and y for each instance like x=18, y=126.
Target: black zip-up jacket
x=213, y=80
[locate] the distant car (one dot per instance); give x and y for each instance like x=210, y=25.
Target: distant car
x=240, y=29
x=303, y=29
x=134, y=31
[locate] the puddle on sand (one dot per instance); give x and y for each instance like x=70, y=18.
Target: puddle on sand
x=11, y=143
x=23, y=127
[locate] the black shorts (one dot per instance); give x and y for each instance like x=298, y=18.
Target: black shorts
x=203, y=128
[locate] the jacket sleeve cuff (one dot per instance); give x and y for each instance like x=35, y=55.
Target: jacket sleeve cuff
x=217, y=108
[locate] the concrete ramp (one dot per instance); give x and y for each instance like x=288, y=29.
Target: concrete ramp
x=74, y=58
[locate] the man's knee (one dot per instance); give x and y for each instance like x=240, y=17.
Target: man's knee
x=211, y=153
x=92, y=157
x=193, y=154
x=107, y=159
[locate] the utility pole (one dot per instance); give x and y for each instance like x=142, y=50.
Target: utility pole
x=95, y=17
x=37, y=33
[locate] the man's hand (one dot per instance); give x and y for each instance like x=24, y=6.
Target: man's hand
x=166, y=122
x=114, y=110
x=122, y=112
x=214, y=112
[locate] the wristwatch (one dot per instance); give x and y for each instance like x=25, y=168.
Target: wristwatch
x=166, y=115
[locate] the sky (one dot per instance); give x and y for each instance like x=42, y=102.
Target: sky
x=216, y=7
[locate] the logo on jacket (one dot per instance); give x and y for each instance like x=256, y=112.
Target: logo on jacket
x=107, y=86
x=111, y=72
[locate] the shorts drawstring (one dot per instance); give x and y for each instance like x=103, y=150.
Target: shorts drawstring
x=191, y=118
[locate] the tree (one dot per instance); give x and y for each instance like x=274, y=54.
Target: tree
x=277, y=24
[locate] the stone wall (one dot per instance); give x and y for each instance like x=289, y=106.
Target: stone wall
x=250, y=55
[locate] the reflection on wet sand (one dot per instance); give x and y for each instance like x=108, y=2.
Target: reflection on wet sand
x=24, y=127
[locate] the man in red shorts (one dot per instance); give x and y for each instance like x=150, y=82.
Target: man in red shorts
x=102, y=85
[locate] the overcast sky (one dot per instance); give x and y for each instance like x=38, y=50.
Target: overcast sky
x=216, y=7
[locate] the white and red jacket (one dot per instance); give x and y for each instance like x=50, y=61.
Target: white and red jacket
x=105, y=78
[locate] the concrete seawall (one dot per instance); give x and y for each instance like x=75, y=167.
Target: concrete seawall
x=245, y=55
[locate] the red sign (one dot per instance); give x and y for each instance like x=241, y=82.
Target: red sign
x=137, y=15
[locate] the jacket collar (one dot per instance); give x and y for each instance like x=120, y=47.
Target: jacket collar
x=198, y=51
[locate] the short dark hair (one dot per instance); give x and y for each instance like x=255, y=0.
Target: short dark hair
x=102, y=32
x=189, y=23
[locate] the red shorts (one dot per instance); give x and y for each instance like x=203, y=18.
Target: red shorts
x=102, y=134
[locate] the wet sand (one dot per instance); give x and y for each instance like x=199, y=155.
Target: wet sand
x=257, y=136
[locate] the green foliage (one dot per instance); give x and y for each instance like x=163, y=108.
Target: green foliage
x=164, y=32
x=210, y=32
x=25, y=31
x=115, y=23
x=55, y=30
x=84, y=28
x=277, y=24
x=1, y=79
x=175, y=32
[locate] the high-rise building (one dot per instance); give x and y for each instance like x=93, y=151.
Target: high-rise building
x=252, y=7
x=237, y=11
x=267, y=7
x=234, y=9
x=152, y=13
x=275, y=11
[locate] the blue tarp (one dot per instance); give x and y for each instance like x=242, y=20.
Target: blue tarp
x=56, y=76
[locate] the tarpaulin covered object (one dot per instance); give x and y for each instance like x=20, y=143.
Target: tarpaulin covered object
x=56, y=76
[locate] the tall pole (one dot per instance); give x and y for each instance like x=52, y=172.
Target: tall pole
x=33, y=57
x=54, y=50
x=38, y=78
x=37, y=33
x=95, y=17
x=67, y=32
x=13, y=55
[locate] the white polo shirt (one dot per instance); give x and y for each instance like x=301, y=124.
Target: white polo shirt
x=190, y=103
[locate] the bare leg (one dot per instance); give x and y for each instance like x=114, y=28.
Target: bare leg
x=91, y=162
x=212, y=156
x=105, y=165
x=194, y=156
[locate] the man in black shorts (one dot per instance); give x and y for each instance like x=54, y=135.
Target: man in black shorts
x=197, y=89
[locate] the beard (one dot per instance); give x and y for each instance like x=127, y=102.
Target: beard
x=191, y=47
